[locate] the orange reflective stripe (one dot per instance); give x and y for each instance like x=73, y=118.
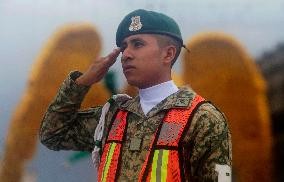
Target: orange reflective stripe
x=114, y=163
x=112, y=149
x=103, y=161
x=148, y=179
x=169, y=134
x=173, y=167
x=108, y=161
x=176, y=120
x=118, y=127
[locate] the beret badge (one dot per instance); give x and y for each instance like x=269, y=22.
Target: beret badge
x=135, y=24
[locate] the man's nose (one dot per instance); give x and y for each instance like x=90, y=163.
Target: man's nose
x=127, y=54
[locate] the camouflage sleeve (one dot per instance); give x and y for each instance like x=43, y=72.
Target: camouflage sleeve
x=64, y=127
x=210, y=155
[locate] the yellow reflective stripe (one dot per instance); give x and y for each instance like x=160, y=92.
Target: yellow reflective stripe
x=154, y=166
x=108, y=161
x=164, y=168
x=159, y=171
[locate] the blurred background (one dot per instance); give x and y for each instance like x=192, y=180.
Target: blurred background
x=28, y=30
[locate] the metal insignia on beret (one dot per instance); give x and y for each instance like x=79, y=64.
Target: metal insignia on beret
x=135, y=24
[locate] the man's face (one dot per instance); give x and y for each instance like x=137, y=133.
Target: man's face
x=142, y=60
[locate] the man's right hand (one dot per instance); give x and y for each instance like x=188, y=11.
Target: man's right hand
x=98, y=69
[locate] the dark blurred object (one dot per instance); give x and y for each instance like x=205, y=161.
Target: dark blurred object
x=110, y=82
x=272, y=66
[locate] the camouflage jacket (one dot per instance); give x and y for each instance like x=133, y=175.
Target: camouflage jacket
x=207, y=142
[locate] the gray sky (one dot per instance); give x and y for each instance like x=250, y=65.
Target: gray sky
x=25, y=26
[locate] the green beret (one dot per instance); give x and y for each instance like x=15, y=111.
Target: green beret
x=147, y=22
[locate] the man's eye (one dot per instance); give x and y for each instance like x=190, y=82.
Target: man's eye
x=138, y=44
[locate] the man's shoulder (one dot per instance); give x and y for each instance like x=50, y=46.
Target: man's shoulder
x=206, y=108
x=209, y=119
x=122, y=101
x=206, y=116
x=211, y=110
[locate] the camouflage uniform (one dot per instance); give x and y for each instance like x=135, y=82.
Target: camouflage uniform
x=208, y=140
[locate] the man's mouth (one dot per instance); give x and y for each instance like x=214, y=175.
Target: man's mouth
x=127, y=68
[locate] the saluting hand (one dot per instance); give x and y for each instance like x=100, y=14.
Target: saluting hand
x=98, y=69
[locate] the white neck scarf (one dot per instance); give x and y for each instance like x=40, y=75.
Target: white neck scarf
x=150, y=97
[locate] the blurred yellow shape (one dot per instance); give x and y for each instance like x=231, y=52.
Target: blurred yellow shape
x=72, y=47
x=221, y=70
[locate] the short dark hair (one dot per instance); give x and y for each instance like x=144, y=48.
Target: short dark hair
x=164, y=40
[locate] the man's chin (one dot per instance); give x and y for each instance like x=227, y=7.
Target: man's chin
x=132, y=83
x=135, y=83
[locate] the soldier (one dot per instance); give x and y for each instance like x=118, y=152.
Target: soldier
x=165, y=133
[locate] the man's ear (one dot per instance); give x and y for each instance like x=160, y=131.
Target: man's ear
x=169, y=54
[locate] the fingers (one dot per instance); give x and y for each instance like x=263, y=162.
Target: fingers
x=111, y=58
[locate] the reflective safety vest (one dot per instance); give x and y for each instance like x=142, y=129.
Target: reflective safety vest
x=164, y=160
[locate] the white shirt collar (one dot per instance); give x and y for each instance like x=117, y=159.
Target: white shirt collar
x=150, y=97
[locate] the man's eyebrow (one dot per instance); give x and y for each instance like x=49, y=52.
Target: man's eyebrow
x=132, y=41
x=136, y=39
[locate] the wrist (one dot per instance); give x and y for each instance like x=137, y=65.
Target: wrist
x=82, y=81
